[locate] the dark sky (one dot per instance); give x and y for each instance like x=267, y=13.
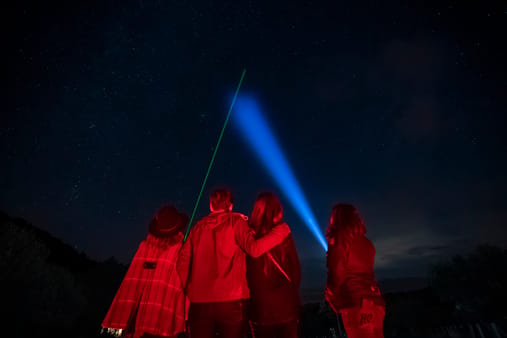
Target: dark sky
x=113, y=109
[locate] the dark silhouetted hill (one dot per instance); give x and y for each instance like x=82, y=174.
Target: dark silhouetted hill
x=50, y=289
x=60, y=253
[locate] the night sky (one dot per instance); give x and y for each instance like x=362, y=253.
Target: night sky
x=113, y=108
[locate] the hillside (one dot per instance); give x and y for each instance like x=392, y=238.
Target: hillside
x=50, y=289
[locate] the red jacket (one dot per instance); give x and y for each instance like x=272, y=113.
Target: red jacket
x=350, y=274
x=212, y=260
x=152, y=288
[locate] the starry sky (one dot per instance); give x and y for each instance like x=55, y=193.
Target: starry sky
x=113, y=108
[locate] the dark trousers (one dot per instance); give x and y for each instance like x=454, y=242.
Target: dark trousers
x=283, y=330
x=228, y=319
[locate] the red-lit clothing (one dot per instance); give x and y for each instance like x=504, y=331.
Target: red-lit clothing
x=275, y=299
x=363, y=323
x=150, y=298
x=351, y=289
x=350, y=274
x=212, y=260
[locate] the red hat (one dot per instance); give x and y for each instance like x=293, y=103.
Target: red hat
x=167, y=222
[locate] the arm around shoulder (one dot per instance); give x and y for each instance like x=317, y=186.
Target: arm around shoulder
x=245, y=237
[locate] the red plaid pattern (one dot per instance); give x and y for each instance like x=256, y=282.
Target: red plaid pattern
x=150, y=298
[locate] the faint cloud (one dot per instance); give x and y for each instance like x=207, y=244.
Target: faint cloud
x=427, y=250
x=396, y=250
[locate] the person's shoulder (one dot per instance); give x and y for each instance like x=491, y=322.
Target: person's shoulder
x=143, y=243
x=282, y=228
x=365, y=239
x=196, y=227
x=142, y=248
x=369, y=243
x=238, y=217
x=209, y=218
x=362, y=242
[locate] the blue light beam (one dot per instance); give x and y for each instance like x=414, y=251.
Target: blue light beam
x=255, y=130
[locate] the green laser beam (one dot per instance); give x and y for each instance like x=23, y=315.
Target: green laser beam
x=214, y=153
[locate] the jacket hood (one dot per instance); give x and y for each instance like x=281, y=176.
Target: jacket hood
x=216, y=219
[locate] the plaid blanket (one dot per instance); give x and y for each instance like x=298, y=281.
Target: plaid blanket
x=150, y=298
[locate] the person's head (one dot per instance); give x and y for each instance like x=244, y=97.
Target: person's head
x=345, y=222
x=220, y=200
x=167, y=222
x=267, y=212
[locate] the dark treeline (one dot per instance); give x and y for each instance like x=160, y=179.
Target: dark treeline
x=49, y=289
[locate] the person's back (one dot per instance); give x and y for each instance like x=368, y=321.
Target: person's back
x=212, y=265
x=275, y=293
x=273, y=278
x=351, y=289
x=217, y=272
x=350, y=270
x=150, y=300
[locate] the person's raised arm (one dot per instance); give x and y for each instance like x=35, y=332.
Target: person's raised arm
x=255, y=247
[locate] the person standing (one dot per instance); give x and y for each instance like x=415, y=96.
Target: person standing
x=273, y=278
x=213, y=268
x=351, y=289
x=150, y=301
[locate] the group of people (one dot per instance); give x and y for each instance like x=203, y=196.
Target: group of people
x=233, y=272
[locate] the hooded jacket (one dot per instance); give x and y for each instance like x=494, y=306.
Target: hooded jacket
x=212, y=260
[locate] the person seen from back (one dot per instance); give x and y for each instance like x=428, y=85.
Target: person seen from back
x=213, y=268
x=273, y=278
x=351, y=289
